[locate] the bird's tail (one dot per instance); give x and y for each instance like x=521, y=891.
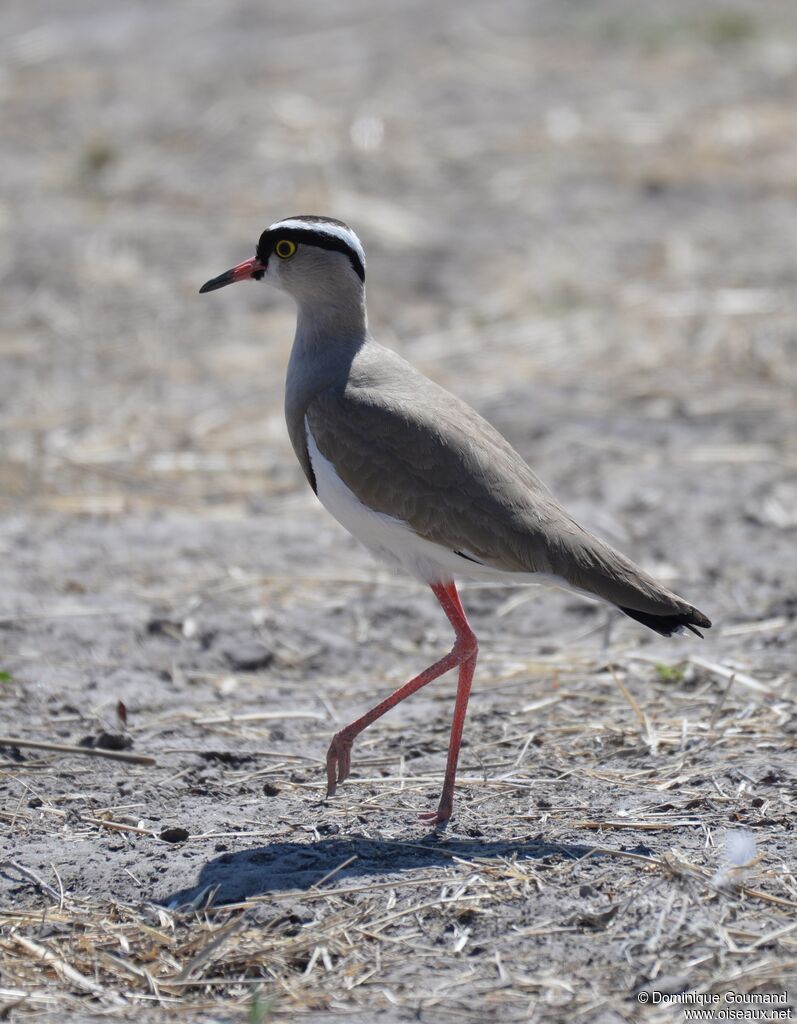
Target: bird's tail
x=671, y=625
x=597, y=568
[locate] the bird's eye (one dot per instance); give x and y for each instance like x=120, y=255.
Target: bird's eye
x=285, y=249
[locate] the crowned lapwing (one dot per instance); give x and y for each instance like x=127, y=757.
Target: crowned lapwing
x=418, y=476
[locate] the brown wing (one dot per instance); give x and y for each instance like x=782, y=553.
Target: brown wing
x=408, y=448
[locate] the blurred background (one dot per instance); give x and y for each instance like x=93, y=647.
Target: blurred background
x=579, y=216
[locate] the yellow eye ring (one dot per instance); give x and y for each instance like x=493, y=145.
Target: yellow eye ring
x=285, y=249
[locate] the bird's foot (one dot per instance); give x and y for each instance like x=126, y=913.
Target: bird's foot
x=338, y=761
x=438, y=819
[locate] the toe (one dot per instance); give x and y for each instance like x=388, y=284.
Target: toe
x=438, y=818
x=338, y=762
x=344, y=762
x=332, y=764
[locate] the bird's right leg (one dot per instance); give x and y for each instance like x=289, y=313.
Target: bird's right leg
x=339, y=753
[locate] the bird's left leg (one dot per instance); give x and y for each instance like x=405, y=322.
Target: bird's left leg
x=464, y=649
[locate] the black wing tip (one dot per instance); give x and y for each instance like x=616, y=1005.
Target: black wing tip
x=669, y=625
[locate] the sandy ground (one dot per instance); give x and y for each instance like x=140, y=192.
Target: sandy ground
x=581, y=218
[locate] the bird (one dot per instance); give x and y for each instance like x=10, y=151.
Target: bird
x=419, y=477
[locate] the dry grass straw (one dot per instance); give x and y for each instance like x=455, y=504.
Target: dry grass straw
x=352, y=953
x=475, y=929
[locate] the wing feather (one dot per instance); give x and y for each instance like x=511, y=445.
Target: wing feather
x=410, y=449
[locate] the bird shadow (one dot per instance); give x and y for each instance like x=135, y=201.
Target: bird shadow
x=288, y=867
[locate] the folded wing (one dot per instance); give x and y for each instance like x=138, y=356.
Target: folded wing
x=408, y=448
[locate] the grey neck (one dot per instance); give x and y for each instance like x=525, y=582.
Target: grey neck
x=331, y=328
x=331, y=319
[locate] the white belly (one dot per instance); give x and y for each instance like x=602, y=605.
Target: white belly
x=388, y=538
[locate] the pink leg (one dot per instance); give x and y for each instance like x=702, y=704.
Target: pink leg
x=446, y=805
x=466, y=671
x=463, y=654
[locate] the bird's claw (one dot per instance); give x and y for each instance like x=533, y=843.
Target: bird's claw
x=338, y=761
x=437, y=819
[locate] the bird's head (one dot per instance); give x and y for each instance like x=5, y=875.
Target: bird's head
x=311, y=258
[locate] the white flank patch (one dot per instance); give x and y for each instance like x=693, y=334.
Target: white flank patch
x=390, y=539
x=335, y=230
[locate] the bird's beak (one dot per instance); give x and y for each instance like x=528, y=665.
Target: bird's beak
x=243, y=272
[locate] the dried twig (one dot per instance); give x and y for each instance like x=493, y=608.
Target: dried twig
x=69, y=748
